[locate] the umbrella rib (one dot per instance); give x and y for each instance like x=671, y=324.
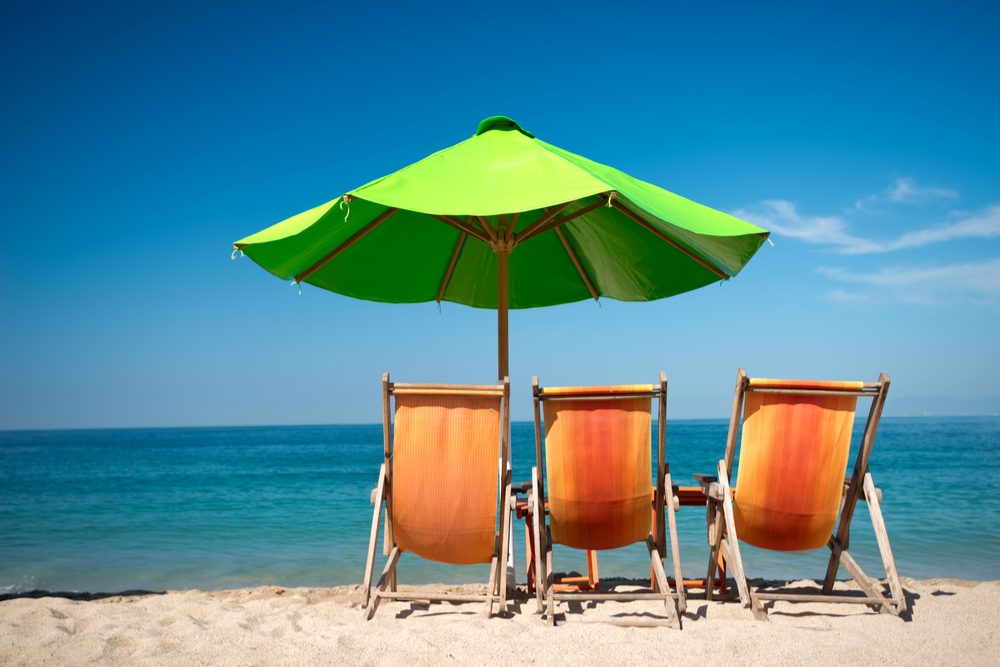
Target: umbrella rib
x=352, y=239
x=561, y=221
x=451, y=265
x=462, y=227
x=510, y=227
x=666, y=239
x=576, y=263
x=486, y=226
x=528, y=231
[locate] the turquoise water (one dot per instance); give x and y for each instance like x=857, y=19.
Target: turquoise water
x=109, y=510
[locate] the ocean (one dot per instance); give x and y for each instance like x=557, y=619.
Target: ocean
x=215, y=508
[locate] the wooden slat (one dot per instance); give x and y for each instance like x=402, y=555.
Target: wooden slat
x=351, y=240
x=592, y=397
x=836, y=599
x=447, y=387
x=434, y=597
x=611, y=597
x=446, y=392
x=811, y=392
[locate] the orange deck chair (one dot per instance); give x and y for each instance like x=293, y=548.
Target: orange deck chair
x=446, y=455
x=790, y=485
x=600, y=489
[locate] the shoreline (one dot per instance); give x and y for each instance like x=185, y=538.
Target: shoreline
x=951, y=621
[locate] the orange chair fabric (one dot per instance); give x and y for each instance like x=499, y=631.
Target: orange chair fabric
x=597, y=456
x=444, y=486
x=793, y=458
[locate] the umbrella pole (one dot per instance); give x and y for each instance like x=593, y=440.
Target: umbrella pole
x=503, y=370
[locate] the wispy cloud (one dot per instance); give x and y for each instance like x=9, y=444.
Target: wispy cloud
x=906, y=191
x=783, y=218
x=976, y=281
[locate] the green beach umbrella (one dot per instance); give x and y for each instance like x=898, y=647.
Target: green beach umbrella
x=504, y=220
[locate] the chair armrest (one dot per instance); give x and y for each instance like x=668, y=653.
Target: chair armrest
x=705, y=480
x=861, y=496
x=713, y=490
x=520, y=488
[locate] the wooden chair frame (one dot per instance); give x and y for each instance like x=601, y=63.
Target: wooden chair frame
x=381, y=498
x=675, y=602
x=722, y=535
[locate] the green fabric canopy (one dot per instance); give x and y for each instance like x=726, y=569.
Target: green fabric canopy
x=561, y=227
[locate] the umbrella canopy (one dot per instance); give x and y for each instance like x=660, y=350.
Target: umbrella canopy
x=504, y=220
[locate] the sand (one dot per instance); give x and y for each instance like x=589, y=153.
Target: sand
x=951, y=622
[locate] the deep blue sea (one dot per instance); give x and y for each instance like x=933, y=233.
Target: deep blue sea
x=212, y=508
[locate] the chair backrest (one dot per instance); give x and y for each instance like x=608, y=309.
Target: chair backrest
x=444, y=469
x=793, y=460
x=598, y=470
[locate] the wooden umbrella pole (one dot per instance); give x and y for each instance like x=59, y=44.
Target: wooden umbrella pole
x=503, y=369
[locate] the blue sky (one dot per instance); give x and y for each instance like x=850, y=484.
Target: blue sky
x=139, y=141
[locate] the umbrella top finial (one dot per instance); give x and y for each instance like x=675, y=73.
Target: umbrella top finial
x=501, y=123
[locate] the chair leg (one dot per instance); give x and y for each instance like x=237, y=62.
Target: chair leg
x=714, y=520
x=832, y=567
x=373, y=538
x=656, y=561
x=859, y=576
x=537, y=515
x=491, y=585
x=675, y=550
x=730, y=545
x=505, y=544
x=550, y=584
x=842, y=535
x=882, y=537
x=529, y=555
x=383, y=582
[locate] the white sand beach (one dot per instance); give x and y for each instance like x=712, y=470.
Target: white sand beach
x=951, y=622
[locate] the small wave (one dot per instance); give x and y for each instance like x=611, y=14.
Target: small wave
x=22, y=585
